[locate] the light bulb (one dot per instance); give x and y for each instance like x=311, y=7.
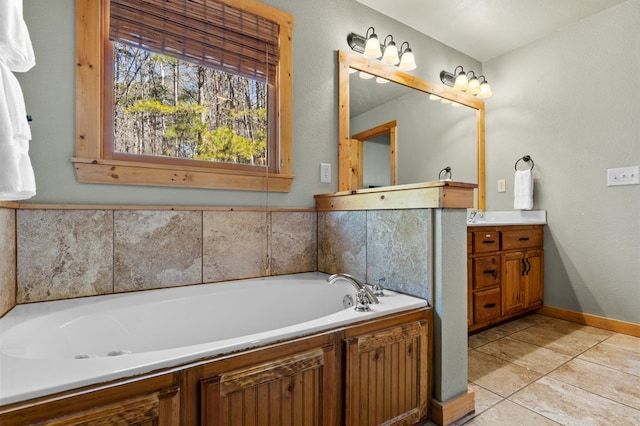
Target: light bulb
x=462, y=83
x=372, y=48
x=407, y=61
x=474, y=86
x=485, y=90
x=390, y=56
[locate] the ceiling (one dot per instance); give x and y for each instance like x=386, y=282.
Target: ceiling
x=485, y=29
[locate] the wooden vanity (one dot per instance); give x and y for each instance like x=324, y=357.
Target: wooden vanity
x=373, y=372
x=505, y=267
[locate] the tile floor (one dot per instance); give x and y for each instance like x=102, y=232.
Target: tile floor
x=539, y=370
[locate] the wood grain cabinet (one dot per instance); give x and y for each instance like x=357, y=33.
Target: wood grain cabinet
x=150, y=402
x=387, y=379
x=285, y=391
x=505, y=272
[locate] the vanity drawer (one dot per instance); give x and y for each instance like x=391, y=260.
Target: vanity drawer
x=486, y=241
x=521, y=239
x=486, y=305
x=486, y=271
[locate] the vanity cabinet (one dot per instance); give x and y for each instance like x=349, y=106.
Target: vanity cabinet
x=505, y=272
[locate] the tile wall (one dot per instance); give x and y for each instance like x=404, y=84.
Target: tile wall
x=394, y=244
x=61, y=254
x=72, y=253
x=7, y=259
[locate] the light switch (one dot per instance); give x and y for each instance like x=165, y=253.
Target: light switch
x=502, y=185
x=325, y=173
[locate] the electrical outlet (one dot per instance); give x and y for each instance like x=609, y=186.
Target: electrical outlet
x=325, y=173
x=502, y=185
x=623, y=176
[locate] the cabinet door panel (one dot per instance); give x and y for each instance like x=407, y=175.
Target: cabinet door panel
x=285, y=391
x=534, y=281
x=513, y=268
x=386, y=377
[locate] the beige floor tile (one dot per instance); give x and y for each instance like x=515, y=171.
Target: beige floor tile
x=484, y=399
x=484, y=337
x=614, y=357
x=604, y=381
x=496, y=375
x=570, y=405
x=525, y=354
x=624, y=341
x=568, y=343
x=509, y=413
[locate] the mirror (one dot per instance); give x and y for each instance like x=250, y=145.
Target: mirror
x=427, y=134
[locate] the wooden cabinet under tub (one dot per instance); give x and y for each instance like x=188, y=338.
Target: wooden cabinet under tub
x=505, y=272
x=372, y=372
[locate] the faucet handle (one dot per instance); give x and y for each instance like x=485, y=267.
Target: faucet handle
x=377, y=287
x=362, y=302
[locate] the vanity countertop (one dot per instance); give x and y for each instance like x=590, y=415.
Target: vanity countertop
x=508, y=217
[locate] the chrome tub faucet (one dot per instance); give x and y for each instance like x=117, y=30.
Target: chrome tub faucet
x=359, y=285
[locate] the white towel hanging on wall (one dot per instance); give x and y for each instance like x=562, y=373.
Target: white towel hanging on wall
x=17, y=180
x=523, y=190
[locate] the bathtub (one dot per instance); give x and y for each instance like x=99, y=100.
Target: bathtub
x=55, y=346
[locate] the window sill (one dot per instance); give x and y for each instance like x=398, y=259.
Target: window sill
x=137, y=173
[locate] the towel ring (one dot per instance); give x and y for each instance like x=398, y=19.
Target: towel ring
x=526, y=159
x=445, y=170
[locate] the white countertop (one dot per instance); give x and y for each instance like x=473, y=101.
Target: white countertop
x=507, y=217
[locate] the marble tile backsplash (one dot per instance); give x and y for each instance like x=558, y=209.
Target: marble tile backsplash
x=71, y=253
x=64, y=254
x=7, y=260
x=372, y=244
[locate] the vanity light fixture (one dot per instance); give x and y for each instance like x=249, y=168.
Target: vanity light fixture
x=407, y=60
x=390, y=55
x=485, y=89
x=467, y=82
x=474, y=83
x=387, y=52
x=372, y=46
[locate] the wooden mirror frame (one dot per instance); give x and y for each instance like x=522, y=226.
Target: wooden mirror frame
x=349, y=163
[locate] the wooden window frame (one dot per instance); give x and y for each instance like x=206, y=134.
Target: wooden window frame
x=90, y=162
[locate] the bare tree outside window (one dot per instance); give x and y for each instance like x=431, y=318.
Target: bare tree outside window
x=167, y=107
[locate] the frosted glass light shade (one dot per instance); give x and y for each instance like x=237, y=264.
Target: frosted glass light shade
x=372, y=48
x=390, y=56
x=462, y=83
x=485, y=91
x=365, y=75
x=381, y=80
x=474, y=86
x=407, y=61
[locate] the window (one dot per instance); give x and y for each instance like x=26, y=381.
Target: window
x=215, y=114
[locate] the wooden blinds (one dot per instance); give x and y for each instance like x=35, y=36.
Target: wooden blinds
x=205, y=32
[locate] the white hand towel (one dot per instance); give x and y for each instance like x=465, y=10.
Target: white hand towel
x=16, y=51
x=17, y=181
x=523, y=190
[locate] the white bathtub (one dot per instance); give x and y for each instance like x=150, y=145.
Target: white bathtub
x=54, y=346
